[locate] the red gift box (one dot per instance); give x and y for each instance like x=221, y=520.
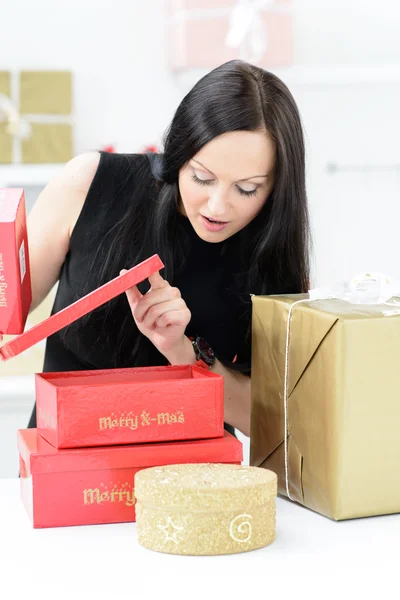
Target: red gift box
x=81, y=307
x=128, y=406
x=15, y=278
x=95, y=485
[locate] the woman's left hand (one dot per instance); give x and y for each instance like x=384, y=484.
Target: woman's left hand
x=162, y=316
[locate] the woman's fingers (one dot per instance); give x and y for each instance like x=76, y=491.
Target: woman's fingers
x=133, y=295
x=174, y=317
x=156, y=281
x=154, y=297
x=154, y=313
x=162, y=306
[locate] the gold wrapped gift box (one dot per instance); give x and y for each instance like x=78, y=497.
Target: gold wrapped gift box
x=5, y=83
x=44, y=99
x=46, y=92
x=343, y=404
x=5, y=138
x=49, y=143
x=5, y=145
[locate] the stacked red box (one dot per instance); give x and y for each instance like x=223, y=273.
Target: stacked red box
x=96, y=429
x=88, y=486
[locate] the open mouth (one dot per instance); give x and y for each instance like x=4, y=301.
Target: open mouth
x=215, y=221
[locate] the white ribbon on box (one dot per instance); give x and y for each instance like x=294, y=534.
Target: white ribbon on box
x=15, y=124
x=365, y=288
x=247, y=31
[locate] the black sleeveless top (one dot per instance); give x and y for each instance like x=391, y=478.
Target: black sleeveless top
x=206, y=282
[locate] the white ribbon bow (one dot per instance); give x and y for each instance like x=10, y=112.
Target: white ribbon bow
x=247, y=30
x=15, y=125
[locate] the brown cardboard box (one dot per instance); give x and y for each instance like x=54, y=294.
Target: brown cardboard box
x=343, y=404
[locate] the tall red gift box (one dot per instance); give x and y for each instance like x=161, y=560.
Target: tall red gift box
x=95, y=485
x=15, y=278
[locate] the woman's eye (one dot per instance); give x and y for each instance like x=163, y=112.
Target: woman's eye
x=201, y=181
x=246, y=192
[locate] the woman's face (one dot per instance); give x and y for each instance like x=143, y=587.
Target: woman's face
x=225, y=185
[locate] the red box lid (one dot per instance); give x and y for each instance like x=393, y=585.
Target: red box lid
x=81, y=307
x=42, y=457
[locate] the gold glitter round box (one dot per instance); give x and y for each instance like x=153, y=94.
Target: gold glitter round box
x=205, y=509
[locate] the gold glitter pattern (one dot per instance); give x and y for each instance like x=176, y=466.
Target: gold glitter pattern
x=205, y=509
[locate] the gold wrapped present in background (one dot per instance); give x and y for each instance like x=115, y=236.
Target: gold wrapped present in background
x=342, y=456
x=44, y=100
x=49, y=143
x=5, y=138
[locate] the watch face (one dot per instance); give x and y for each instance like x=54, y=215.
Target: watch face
x=205, y=350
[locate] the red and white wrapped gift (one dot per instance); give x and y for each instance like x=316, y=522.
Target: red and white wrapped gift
x=203, y=34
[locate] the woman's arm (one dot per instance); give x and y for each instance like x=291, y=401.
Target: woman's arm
x=236, y=387
x=52, y=219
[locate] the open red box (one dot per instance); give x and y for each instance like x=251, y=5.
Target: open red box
x=128, y=406
x=95, y=485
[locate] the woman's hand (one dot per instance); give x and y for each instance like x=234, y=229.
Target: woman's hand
x=162, y=316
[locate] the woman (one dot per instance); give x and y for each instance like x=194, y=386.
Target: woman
x=224, y=207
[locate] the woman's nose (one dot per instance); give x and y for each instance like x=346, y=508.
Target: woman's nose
x=218, y=203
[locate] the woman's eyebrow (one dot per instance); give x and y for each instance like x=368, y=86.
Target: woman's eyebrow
x=199, y=163
x=252, y=177
x=238, y=181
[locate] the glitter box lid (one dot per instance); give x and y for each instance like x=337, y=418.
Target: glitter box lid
x=205, y=486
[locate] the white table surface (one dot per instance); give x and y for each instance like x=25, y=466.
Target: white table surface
x=312, y=557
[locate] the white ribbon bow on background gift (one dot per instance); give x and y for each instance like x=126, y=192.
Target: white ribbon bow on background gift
x=365, y=288
x=15, y=125
x=247, y=30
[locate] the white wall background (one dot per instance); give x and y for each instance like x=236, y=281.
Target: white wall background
x=125, y=95
x=123, y=91
x=347, y=88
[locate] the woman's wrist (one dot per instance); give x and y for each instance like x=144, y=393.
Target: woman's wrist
x=182, y=354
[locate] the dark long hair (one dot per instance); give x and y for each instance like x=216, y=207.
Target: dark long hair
x=235, y=96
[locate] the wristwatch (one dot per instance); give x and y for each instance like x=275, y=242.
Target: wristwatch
x=204, y=353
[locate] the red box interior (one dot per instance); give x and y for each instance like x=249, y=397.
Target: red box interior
x=134, y=375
